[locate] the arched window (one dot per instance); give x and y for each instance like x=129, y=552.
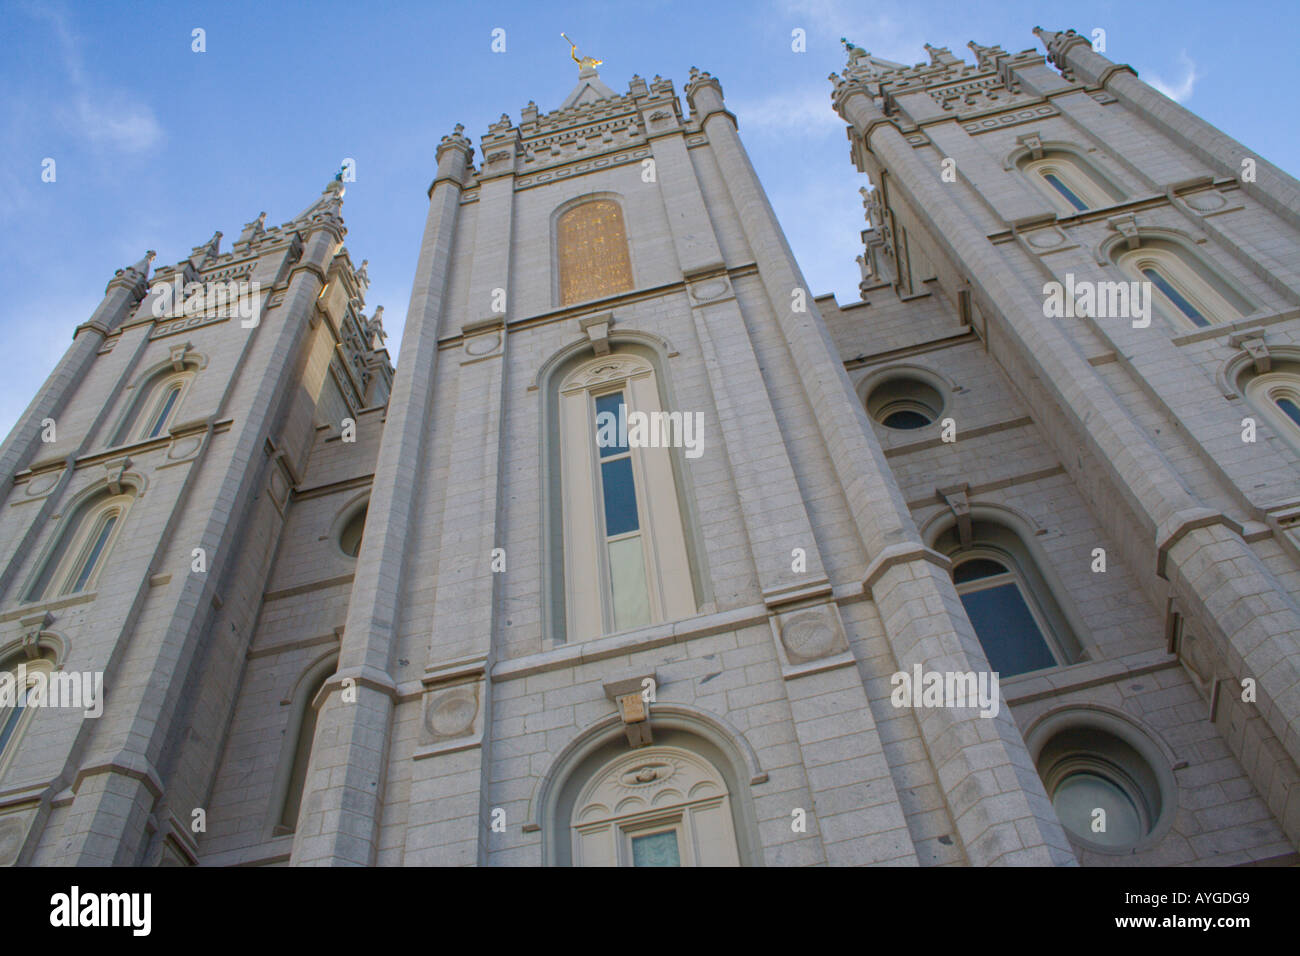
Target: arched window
x=1068, y=182
x=1015, y=616
x=1182, y=289
x=302, y=733
x=1275, y=395
x=352, y=530
x=591, y=248
x=658, y=806
x=154, y=409
x=82, y=547
x=625, y=556
x=18, y=675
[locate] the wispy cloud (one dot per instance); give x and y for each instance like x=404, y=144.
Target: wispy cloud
x=791, y=111
x=1180, y=91
x=878, y=32
x=107, y=118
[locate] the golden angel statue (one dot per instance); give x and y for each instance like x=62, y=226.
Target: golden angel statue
x=585, y=62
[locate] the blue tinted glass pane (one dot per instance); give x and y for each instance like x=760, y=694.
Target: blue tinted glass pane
x=975, y=569
x=1007, y=630
x=620, y=496
x=1065, y=191
x=905, y=419
x=9, y=718
x=658, y=849
x=607, y=437
x=1176, y=297
x=95, y=551
x=163, y=412
x=1289, y=408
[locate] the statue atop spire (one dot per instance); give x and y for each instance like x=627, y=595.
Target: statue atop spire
x=585, y=63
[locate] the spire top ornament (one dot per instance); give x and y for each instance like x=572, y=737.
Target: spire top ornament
x=585, y=62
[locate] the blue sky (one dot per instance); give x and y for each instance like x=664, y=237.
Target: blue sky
x=157, y=146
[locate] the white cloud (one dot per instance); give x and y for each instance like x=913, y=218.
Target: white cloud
x=1180, y=91
x=789, y=112
x=107, y=118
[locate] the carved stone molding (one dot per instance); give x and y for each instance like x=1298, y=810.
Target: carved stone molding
x=810, y=639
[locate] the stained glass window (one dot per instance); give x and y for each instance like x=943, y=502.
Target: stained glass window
x=592, y=248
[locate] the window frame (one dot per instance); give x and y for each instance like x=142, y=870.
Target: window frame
x=1261, y=393
x=1182, y=275
x=1073, y=175
x=64, y=563
x=137, y=424
x=9, y=748
x=1012, y=574
x=590, y=611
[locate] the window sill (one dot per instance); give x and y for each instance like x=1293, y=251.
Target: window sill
x=69, y=600
x=1254, y=320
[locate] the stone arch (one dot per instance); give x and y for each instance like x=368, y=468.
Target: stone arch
x=675, y=725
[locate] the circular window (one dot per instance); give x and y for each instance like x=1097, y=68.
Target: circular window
x=1104, y=792
x=904, y=403
x=350, y=536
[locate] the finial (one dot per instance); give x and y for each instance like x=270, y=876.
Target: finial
x=584, y=63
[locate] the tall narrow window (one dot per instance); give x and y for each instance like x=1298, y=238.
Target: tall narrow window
x=1069, y=182
x=306, y=714
x=1191, y=312
x=591, y=248
x=154, y=409
x=18, y=675
x=1182, y=289
x=81, y=549
x=624, y=547
x=160, y=416
x=1017, y=619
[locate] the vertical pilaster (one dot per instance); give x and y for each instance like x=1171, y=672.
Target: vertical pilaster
x=453, y=755
x=339, y=823
x=923, y=620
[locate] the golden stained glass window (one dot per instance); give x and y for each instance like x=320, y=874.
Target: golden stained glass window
x=593, y=252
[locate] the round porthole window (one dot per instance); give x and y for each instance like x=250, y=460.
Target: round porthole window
x=350, y=535
x=905, y=403
x=1104, y=792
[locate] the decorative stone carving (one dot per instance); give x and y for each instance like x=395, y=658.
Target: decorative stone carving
x=616, y=368
x=1127, y=226
x=115, y=469
x=41, y=484
x=451, y=712
x=807, y=637
x=709, y=289
x=643, y=781
x=1206, y=201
